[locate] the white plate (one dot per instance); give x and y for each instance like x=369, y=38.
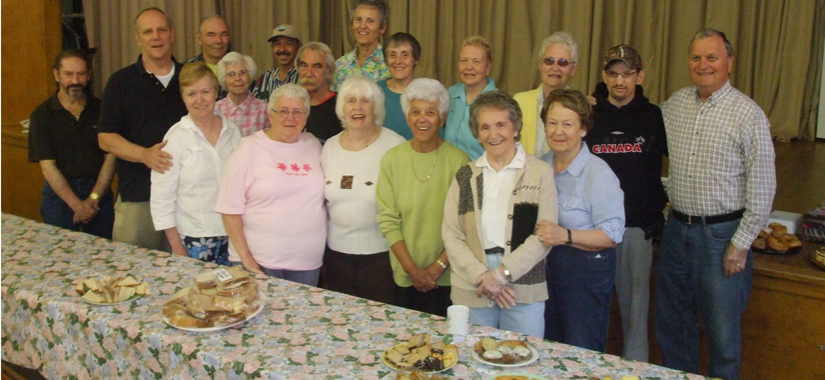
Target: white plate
x=530, y=376
x=218, y=328
x=534, y=355
x=130, y=299
x=388, y=364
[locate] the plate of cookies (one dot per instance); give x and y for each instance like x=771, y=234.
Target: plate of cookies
x=776, y=240
x=504, y=353
x=421, y=352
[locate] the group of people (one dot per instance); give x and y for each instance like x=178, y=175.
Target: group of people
x=529, y=209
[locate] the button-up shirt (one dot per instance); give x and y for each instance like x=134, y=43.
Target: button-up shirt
x=590, y=196
x=457, y=129
x=250, y=116
x=496, y=197
x=721, y=158
x=269, y=82
x=374, y=67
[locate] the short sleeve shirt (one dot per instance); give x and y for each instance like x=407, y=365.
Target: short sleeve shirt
x=138, y=107
x=55, y=134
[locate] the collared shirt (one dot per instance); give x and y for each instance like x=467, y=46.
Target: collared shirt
x=55, y=134
x=721, y=157
x=590, y=196
x=250, y=116
x=496, y=197
x=457, y=129
x=269, y=82
x=374, y=66
x=185, y=195
x=541, y=136
x=138, y=107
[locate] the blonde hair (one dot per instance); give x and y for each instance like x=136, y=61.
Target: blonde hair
x=193, y=72
x=479, y=41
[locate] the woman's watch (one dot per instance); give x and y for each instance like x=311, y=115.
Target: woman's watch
x=507, y=274
x=569, y=237
x=441, y=264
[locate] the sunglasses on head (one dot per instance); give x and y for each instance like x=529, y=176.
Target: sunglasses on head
x=549, y=61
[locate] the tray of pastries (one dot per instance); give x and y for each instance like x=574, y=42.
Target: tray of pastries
x=111, y=290
x=504, y=353
x=421, y=352
x=776, y=240
x=219, y=299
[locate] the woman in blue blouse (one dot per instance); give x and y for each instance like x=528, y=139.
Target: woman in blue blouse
x=582, y=263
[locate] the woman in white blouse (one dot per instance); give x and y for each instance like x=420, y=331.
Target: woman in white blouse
x=183, y=198
x=357, y=258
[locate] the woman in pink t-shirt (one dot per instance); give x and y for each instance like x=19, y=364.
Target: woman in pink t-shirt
x=272, y=195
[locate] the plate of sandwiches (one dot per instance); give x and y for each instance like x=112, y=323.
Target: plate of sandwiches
x=423, y=353
x=111, y=290
x=219, y=299
x=504, y=353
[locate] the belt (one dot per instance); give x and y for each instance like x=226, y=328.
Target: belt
x=494, y=251
x=710, y=219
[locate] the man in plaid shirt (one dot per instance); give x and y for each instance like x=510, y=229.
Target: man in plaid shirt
x=722, y=183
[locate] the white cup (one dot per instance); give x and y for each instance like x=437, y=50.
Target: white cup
x=458, y=320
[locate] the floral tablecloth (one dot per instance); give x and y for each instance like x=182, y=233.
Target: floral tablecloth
x=303, y=332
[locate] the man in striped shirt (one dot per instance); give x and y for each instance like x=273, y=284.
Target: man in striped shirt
x=285, y=44
x=722, y=183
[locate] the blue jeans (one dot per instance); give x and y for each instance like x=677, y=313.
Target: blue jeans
x=690, y=275
x=580, y=285
x=57, y=213
x=524, y=318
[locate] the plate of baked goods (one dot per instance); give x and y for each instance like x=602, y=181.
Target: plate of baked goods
x=111, y=290
x=221, y=298
x=776, y=240
x=818, y=258
x=504, y=353
x=516, y=376
x=421, y=352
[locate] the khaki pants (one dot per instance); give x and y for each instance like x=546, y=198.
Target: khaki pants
x=133, y=225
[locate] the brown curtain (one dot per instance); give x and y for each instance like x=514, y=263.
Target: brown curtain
x=778, y=44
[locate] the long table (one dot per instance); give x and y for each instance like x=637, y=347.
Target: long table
x=303, y=332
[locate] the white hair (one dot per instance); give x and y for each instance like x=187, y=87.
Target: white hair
x=292, y=91
x=361, y=88
x=429, y=90
x=235, y=57
x=562, y=38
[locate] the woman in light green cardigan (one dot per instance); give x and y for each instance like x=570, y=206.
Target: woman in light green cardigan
x=411, y=188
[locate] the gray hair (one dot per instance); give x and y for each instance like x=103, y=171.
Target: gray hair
x=710, y=32
x=378, y=4
x=322, y=48
x=429, y=90
x=563, y=38
x=361, y=88
x=235, y=57
x=292, y=91
x=497, y=100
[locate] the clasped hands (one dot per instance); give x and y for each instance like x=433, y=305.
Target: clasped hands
x=494, y=285
x=85, y=211
x=425, y=280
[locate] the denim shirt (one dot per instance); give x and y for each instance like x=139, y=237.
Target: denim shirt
x=590, y=196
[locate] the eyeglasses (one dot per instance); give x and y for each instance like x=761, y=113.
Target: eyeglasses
x=284, y=112
x=625, y=75
x=549, y=61
x=233, y=74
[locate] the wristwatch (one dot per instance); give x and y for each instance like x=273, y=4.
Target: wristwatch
x=569, y=238
x=94, y=196
x=441, y=264
x=507, y=274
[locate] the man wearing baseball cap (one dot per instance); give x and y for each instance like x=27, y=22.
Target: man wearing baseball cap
x=285, y=43
x=629, y=134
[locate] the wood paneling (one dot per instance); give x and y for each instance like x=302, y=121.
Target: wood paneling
x=31, y=38
x=22, y=180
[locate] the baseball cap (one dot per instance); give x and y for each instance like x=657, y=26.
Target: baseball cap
x=285, y=30
x=624, y=53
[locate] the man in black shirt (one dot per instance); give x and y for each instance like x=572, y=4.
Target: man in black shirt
x=140, y=103
x=62, y=139
x=316, y=66
x=629, y=134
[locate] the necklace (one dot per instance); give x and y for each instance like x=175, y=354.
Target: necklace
x=432, y=168
x=352, y=144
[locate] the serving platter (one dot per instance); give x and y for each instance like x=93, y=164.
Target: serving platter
x=218, y=328
x=130, y=299
x=534, y=355
x=393, y=367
